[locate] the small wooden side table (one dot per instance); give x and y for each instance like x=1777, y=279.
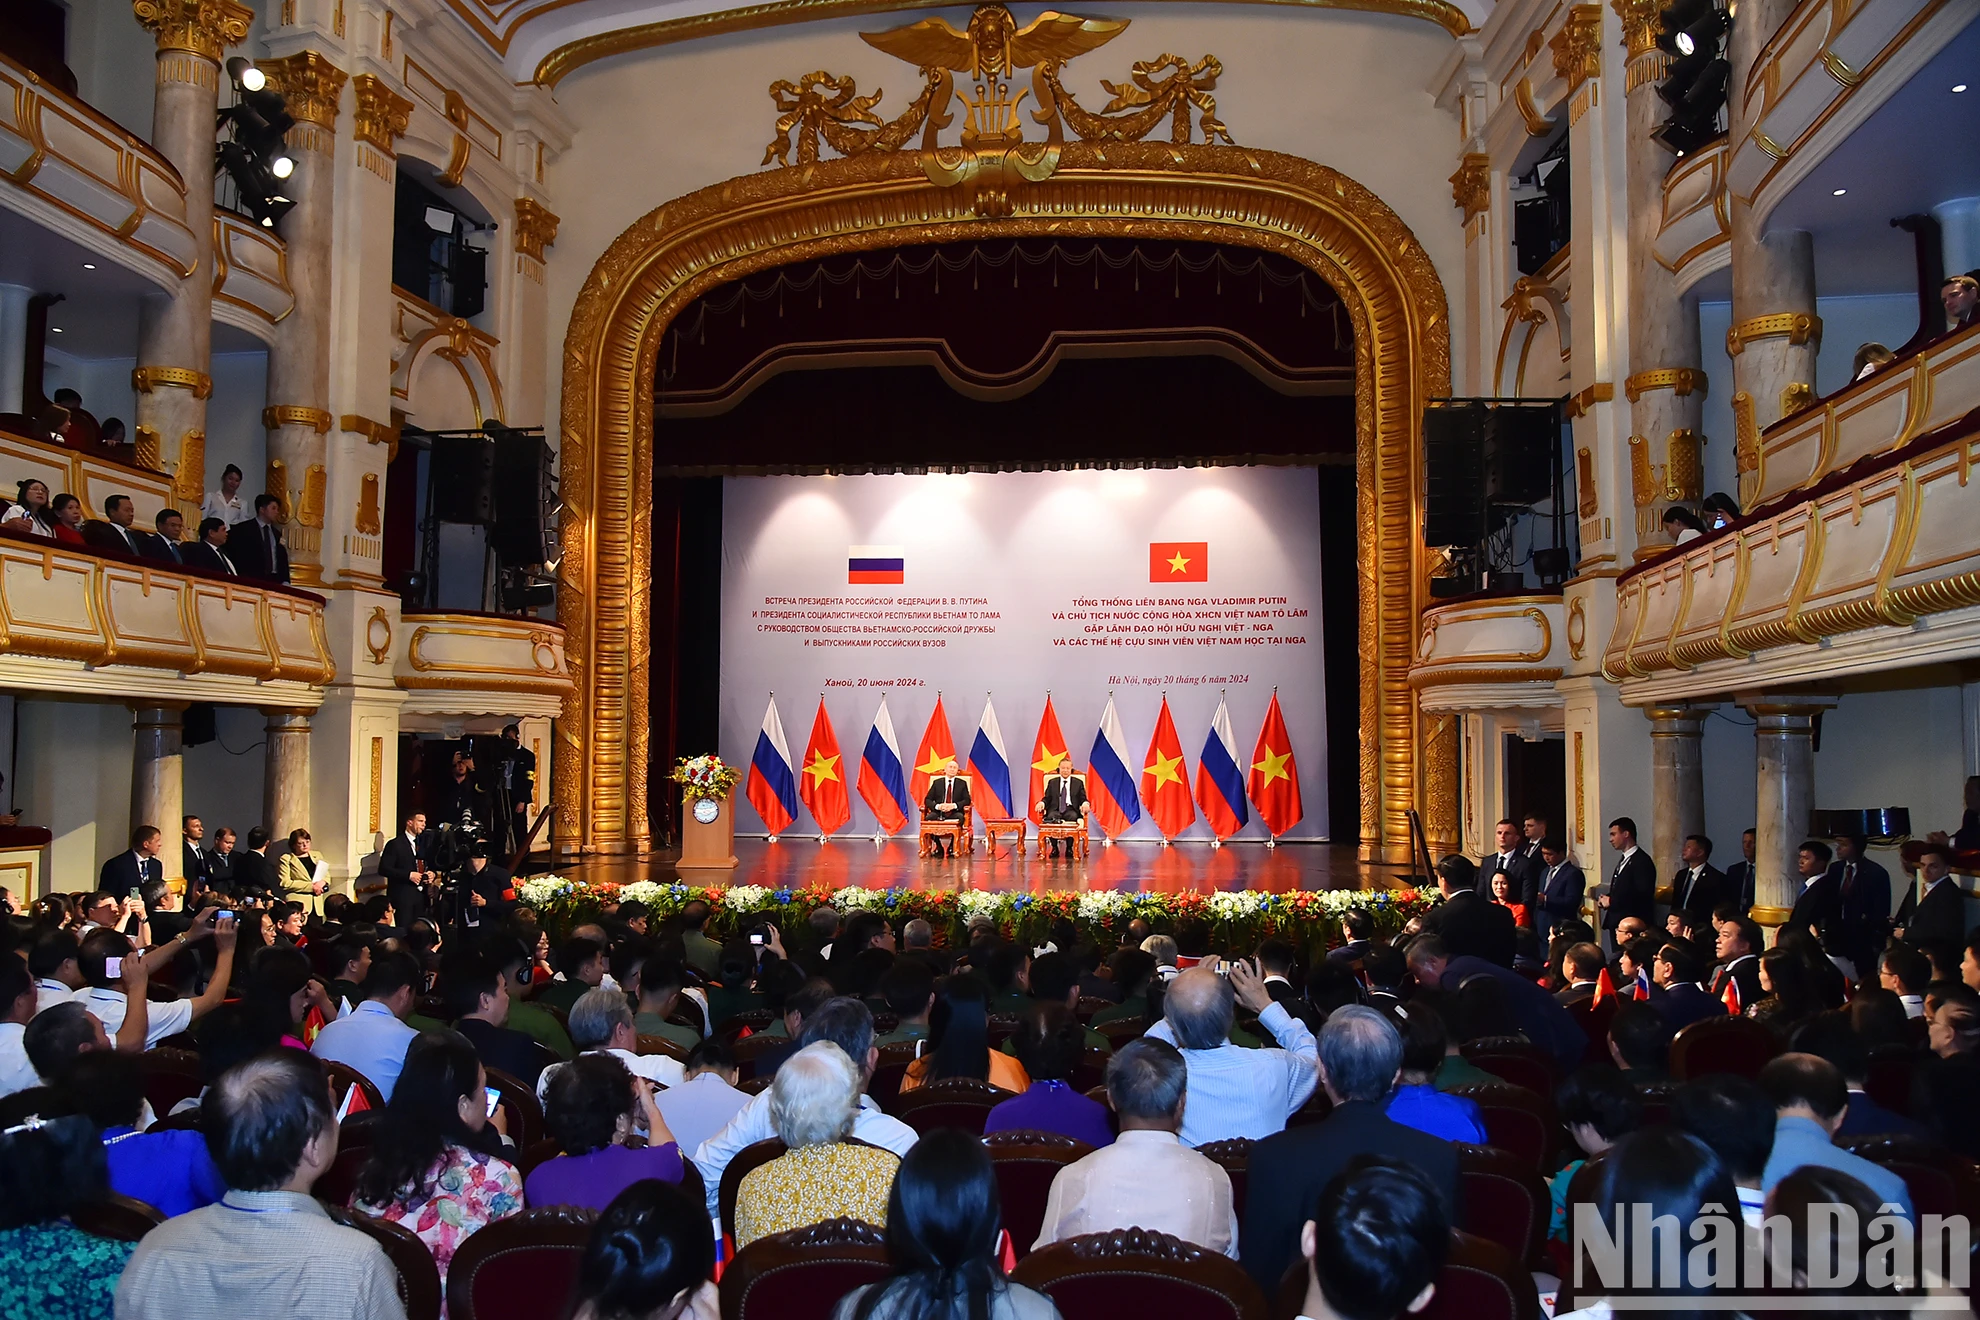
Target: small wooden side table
x=934, y=832
x=1072, y=834
x=996, y=829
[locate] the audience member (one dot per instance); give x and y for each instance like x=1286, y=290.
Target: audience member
x=373, y=1037
x=1581, y=968
x=1598, y=1107
x=169, y=1170
x=163, y=543
x=1652, y=1185
x=591, y=1110
x=1470, y=924
x=602, y=1023
x=650, y=1257
x=813, y=1103
x=271, y=1133
x=1375, y=1243
x=257, y=544
x=581, y=963
x=518, y=970
x=110, y=1004
x=1739, y=946
x=1685, y=999
x=478, y=995
x=209, y=551
x=49, y=1268
x=224, y=505
x=1562, y=886
x=1788, y=1001
x=707, y=1100
x=660, y=982
x=959, y=1040
x=1133, y=974
x=113, y=532
x=18, y=997
x=29, y=513
x=1236, y=1092
x=1810, y=1101
x=1828, y=1217
x=1640, y=1042
x=67, y=512
x=129, y=871
x=1417, y=1102
x=302, y=875
x=1049, y=1045
x=1940, y=916
x=1830, y=1036
x=1146, y=1178
x=1536, y=1012
x=908, y=989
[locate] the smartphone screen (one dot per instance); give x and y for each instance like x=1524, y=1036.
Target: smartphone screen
x=494, y=1099
x=756, y=939
x=113, y=967
x=225, y=915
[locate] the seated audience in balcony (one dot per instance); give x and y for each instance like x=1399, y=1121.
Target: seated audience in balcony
x=210, y=550
x=813, y=1103
x=1961, y=296
x=959, y=1040
x=1050, y=1044
x=437, y=1166
x=29, y=514
x=943, y=1219
x=78, y=428
x=593, y=1109
x=51, y=1269
x=169, y=1170
x=650, y=1254
x=225, y=503
x=164, y=544
x=1416, y=1101
x=270, y=1129
x=1871, y=358
x=110, y=441
x=257, y=545
x=67, y=526
x=113, y=531
x=303, y=876
x=1719, y=510
x=1146, y=1178
x=1681, y=525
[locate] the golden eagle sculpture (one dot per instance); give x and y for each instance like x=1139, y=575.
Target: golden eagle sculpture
x=995, y=46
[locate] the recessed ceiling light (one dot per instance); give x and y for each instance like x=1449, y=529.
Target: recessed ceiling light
x=89, y=265
x=1838, y=192
x=1959, y=87
x=56, y=328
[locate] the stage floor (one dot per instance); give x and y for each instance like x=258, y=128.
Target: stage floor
x=799, y=861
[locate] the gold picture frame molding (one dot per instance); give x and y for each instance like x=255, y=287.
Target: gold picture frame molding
x=1232, y=195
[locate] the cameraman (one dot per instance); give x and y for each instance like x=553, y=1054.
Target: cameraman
x=485, y=893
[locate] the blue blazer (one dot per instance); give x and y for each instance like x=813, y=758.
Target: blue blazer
x=1561, y=895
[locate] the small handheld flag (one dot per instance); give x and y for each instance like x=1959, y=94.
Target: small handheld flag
x=880, y=782
x=1110, y=785
x=1731, y=996
x=1219, y=785
x=1605, y=988
x=822, y=782
x=989, y=767
x=1165, y=778
x=772, y=785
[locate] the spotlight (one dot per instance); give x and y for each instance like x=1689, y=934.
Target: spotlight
x=254, y=155
x=282, y=167
x=245, y=75
x=1693, y=33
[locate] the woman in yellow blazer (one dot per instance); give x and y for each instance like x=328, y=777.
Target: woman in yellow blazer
x=302, y=876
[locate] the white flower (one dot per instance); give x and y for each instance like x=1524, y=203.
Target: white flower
x=542, y=890
x=1101, y=905
x=978, y=903
x=649, y=892
x=745, y=898
x=852, y=898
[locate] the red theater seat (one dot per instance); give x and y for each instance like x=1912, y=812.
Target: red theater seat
x=520, y=1268
x=1025, y=1164
x=801, y=1275
x=1132, y=1274
x=1735, y=1045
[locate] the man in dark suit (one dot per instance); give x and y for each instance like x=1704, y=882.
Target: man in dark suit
x=1359, y=928
x=113, y=532
x=1827, y=1037
x=138, y=867
x=487, y=893
x=1738, y=949
x=516, y=773
x=1562, y=887
x=947, y=802
x=257, y=545
x=164, y=544
x=1698, y=886
x=1533, y=832
x=1512, y=860
x=403, y=863
x=1818, y=904
x=1683, y=1001
x=1539, y=1015
x=1739, y=876
x=1940, y=916
x=210, y=550
x=254, y=872
x=1632, y=885
x=198, y=866
x=1581, y=967
x=1863, y=903
x=1360, y=1058
x=1467, y=923
x=476, y=990
x=1064, y=802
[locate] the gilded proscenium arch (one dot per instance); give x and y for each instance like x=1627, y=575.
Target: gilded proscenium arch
x=1254, y=199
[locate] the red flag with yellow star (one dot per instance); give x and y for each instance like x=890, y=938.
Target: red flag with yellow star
x=1165, y=779
x=1274, y=779
x=1046, y=752
x=822, y=780
x=936, y=751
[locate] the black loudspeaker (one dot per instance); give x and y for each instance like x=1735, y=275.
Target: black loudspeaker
x=463, y=478
x=1519, y=455
x=520, y=461
x=1454, y=473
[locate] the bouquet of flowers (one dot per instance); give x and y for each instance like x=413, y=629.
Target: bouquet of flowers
x=706, y=777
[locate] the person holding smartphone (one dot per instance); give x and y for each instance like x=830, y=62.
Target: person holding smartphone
x=107, y=955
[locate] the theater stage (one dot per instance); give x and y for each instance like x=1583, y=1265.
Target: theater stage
x=798, y=861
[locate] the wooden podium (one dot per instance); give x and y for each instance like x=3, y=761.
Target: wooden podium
x=712, y=846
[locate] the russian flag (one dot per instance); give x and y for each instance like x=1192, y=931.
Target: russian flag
x=989, y=767
x=772, y=785
x=1110, y=785
x=1219, y=782
x=875, y=564
x=880, y=781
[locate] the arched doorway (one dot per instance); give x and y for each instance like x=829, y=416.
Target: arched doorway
x=1224, y=195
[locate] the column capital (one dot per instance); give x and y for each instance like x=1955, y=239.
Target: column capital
x=1784, y=706
x=536, y=227
x=1667, y=721
x=1577, y=46
x=200, y=27
x=310, y=83
x=285, y=717
x=1642, y=20
x=381, y=114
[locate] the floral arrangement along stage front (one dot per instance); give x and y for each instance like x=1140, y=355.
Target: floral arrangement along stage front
x=1236, y=918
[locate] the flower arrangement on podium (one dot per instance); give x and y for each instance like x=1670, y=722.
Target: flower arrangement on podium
x=1236, y=918
x=705, y=777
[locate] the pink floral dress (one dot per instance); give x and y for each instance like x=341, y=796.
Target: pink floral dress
x=465, y=1191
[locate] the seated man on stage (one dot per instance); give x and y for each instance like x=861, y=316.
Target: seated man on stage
x=1064, y=802
x=947, y=803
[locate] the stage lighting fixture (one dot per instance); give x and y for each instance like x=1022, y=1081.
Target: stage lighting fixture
x=253, y=155
x=1693, y=32
x=245, y=75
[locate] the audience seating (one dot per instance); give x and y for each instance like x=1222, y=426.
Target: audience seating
x=692, y=1182
x=118, y=1217
x=1132, y=1274
x=1892, y=1071
x=1122, y=1030
x=1518, y=1121
x=1737, y=1045
x=1940, y=1181
x=801, y=1275
x=520, y=1268
x=956, y=1102
x=1025, y=1164
x=186, y=1120
x=660, y=1045
x=169, y=1077
x=1089, y=1005
x=1480, y=1280
x=746, y=1050
x=1234, y=1156
x=518, y=1101
x=339, y=1182
x=1092, y=1070
x=1593, y=1019
x=1656, y=1101
x=883, y=1021
x=537, y=1152
x=888, y=1072
x=756, y=1019
x=419, y=1277
x=1505, y=1201
x=747, y=1159
x=753, y=1085
x=1515, y=1061
x=1315, y=1110
x=1002, y=1027
x=343, y=1077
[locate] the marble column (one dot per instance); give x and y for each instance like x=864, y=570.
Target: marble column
x=158, y=782
x=175, y=329
x=1775, y=332
x=1666, y=385
x=285, y=787
x=298, y=414
x=1677, y=781
x=13, y=344
x=1959, y=233
x=1784, y=737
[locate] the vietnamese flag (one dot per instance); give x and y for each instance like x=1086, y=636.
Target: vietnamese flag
x=822, y=781
x=1274, y=782
x=1047, y=750
x=1179, y=561
x=1605, y=988
x=936, y=751
x=1165, y=779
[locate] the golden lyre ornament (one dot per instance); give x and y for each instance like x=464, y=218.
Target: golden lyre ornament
x=993, y=157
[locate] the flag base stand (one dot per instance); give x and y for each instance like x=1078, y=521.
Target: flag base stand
x=1106, y=841
x=879, y=839
x=1272, y=841
x=769, y=838
x=823, y=839
x=1216, y=843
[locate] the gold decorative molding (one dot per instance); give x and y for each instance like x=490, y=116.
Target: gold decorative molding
x=366, y=520
x=205, y=28
x=381, y=115
x=378, y=635
x=377, y=433
x=536, y=227
x=1684, y=465
x=1430, y=678
x=1642, y=21
x=147, y=447
x=1537, y=124
x=1471, y=186
x=572, y=56
x=1797, y=396
x=1588, y=499
x=310, y=85
x=1679, y=380
x=1642, y=473
x=1840, y=70
x=189, y=482
x=877, y=200
x=378, y=759
x=1577, y=46
x=146, y=379
x=1602, y=391
x=1796, y=327
x=278, y=486
x=1577, y=628
x=309, y=510
x=277, y=415
x=1580, y=794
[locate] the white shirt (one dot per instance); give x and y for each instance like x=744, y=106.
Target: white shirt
x=227, y=509
x=19, y=512
x=48, y=993
x=1914, y=1005
x=16, y=1073
x=753, y=1125
x=161, y=1019
x=1146, y=1180
x=655, y=1068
